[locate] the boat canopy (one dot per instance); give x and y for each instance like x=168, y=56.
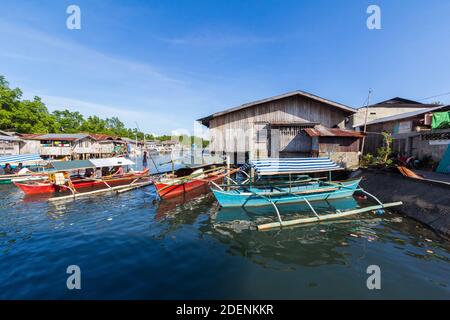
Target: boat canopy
x=72, y=165
x=276, y=166
x=111, y=162
x=92, y=163
x=25, y=159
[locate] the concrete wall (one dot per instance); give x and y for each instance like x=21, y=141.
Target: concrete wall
x=9, y=148
x=30, y=147
x=424, y=201
x=379, y=112
x=349, y=160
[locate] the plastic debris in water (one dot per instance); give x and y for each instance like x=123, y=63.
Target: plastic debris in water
x=354, y=235
x=379, y=212
x=109, y=219
x=430, y=252
x=323, y=231
x=428, y=240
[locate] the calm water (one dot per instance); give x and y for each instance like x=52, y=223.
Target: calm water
x=129, y=246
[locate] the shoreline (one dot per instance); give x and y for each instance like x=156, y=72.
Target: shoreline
x=426, y=201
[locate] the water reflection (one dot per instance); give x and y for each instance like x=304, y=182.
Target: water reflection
x=328, y=243
x=131, y=238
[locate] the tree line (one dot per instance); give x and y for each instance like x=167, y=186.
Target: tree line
x=32, y=116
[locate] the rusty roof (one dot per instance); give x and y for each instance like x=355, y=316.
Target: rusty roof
x=327, y=132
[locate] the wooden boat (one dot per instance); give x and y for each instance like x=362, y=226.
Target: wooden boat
x=30, y=161
x=297, y=188
x=79, y=184
x=187, y=180
x=298, y=192
x=62, y=181
x=11, y=178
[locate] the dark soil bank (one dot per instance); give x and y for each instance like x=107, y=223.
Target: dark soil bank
x=425, y=201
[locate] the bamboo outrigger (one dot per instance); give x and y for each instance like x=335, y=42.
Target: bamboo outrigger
x=304, y=189
x=91, y=183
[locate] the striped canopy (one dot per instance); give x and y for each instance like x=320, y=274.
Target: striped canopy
x=294, y=166
x=26, y=159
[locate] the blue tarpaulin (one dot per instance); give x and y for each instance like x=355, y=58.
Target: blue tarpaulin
x=444, y=164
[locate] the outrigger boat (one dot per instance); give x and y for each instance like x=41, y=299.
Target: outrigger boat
x=264, y=191
x=67, y=177
x=187, y=180
x=32, y=162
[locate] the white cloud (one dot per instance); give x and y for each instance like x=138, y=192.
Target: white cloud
x=219, y=39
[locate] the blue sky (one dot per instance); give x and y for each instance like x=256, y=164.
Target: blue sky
x=166, y=63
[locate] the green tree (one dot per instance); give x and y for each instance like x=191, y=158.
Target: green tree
x=25, y=116
x=68, y=122
x=94, y=124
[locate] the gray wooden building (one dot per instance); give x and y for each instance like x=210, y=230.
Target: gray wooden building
x=276, y=127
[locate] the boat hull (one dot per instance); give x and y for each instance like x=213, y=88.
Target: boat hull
x=230, y=199
x=167, y=191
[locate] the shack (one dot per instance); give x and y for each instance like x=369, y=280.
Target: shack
x=73, y=146
x=277, y=127
x=10, y=145
x=387, y=108
x=412, y=133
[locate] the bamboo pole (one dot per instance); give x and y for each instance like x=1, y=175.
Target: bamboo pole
x=338, y=215
x=137, y=186
x=77, y=195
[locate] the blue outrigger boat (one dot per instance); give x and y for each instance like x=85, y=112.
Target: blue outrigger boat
x=264, y=191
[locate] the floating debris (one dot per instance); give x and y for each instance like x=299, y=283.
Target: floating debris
x=428, y=240
x=353, y=235
x=430, y=251
x=109, y=219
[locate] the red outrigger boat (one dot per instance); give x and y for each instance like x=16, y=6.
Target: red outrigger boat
x=61, y=181
x=186, y=180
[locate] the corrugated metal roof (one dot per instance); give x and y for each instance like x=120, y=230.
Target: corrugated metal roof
x=63, y=136
x=30, y=136
x=407, y=115
x=327, y=132
x=9, y=138
x=205, y=120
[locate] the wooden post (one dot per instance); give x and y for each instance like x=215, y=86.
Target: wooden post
x=228, y=172
x=365, y=125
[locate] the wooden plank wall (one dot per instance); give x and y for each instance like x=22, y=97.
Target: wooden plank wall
x=232, y=128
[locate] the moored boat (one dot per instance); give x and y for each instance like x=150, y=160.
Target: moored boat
x=295, y=188
x=187, y=180
x=61, y=179
x=31, y=164
x=253, y=196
